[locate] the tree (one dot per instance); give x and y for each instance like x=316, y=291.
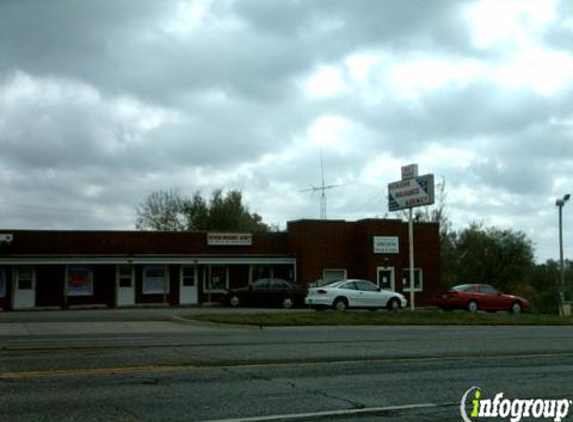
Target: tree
x=501, y=257
x=161, y=210
x=168, y=210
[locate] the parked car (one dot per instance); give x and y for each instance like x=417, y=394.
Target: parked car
x=353, y=293
x=267, y=292
x=474, y=297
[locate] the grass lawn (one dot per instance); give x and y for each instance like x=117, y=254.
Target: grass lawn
x=403, y=317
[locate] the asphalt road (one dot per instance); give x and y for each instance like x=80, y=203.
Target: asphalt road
x=165, y=371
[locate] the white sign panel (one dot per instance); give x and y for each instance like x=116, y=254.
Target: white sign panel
x=386, y=244
x=409, y=172
x=229, y=239
x=411, y=193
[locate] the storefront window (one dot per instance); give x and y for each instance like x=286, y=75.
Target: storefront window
x=217, y=280
x=155, y=280
x=284, y=271
x=262, y=271
x=80, y=281
x=418, y=280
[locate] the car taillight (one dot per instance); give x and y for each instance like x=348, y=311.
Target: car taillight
x=321, y=292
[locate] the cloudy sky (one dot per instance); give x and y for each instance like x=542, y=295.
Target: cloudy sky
x=102, y=102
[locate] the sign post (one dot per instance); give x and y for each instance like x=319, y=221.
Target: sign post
x=412, y=191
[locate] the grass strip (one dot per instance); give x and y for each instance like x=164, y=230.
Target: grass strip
x=382, y=318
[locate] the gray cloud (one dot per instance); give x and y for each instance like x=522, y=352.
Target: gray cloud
x=102, y=102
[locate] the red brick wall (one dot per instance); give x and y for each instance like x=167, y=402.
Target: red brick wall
x=317, y=244
x=340, y=244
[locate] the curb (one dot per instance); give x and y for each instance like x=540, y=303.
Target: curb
x=197, y=323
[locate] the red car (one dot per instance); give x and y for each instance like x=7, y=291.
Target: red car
x=474, y=297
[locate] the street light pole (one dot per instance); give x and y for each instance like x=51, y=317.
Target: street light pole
x=560, y=203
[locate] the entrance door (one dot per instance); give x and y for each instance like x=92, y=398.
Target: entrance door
x=24, y=288
x=188, y=285
x=385, y=278
x=125, y=286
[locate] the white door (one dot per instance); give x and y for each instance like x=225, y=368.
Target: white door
x=385, y=278
x=24, y=288
x=188, y=285
x=125, y=286
x=369, y=294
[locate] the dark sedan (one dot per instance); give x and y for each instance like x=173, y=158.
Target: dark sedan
x=267, y=292
x=474, y=297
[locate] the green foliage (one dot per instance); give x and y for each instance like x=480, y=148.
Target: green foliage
x=168, y=210
x=501, y=257
x=542, y=285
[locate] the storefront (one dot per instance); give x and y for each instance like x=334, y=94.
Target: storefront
x=70, y=269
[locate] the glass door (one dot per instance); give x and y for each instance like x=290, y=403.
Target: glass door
x=385, y=278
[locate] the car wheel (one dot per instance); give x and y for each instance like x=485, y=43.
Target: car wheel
x=515, y=308
x=234, y=301
x=340, y=304
x=393, y=304
x=473, y=306
x=287, y=303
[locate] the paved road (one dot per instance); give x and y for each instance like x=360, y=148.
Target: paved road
x=164, y=371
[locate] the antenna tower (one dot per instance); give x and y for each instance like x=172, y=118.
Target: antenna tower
x=322, y=188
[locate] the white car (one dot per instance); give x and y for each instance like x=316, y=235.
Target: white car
x=353, y=293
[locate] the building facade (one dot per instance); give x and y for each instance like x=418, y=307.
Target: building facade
x=69, y=269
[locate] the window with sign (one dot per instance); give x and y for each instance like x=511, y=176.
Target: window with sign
x=418, y=279
x=155, y=280
x=80, y=281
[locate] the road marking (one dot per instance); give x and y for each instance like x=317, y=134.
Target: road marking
x=170, y=368
x=333, y=413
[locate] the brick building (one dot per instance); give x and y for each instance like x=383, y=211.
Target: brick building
x=61, y=269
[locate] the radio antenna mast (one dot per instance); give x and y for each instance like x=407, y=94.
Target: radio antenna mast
x=322, y=189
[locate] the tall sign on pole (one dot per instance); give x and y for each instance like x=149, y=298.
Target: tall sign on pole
x=412, y=191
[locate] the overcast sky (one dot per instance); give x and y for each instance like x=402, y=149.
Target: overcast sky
x=101, y=102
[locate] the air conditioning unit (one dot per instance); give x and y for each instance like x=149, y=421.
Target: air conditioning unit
x=6, y=238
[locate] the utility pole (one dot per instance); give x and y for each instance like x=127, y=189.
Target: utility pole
x=411, y=247
x=560, y=203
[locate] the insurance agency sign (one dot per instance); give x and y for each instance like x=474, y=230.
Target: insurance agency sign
x=386, y=244
x=415, y=192
x=229, y=239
